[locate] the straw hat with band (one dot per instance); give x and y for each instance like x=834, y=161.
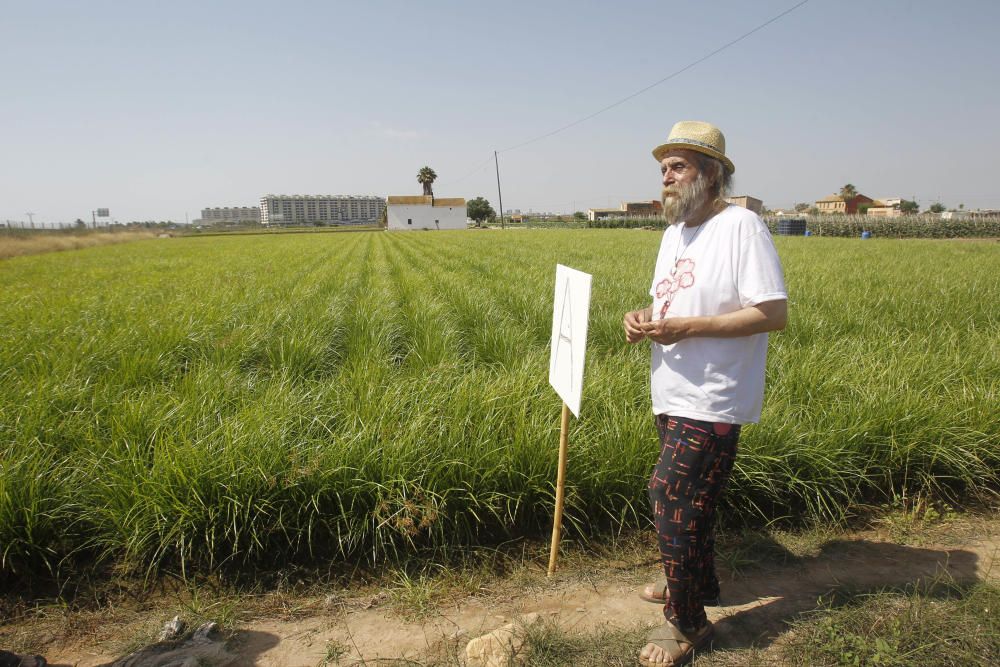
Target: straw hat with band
x=694, y=135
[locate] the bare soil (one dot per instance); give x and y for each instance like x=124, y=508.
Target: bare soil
x=768, y=581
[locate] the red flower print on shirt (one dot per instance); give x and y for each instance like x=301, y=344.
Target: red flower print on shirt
x=681, y=277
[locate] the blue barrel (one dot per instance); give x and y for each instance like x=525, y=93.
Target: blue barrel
x=866, y=234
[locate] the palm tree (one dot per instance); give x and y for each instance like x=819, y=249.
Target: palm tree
x=426, y=177
x=848, y=192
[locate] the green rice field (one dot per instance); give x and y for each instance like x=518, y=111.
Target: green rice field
x=204, y=403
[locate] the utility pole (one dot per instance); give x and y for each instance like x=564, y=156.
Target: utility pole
x=31, y=219
x=499, y=195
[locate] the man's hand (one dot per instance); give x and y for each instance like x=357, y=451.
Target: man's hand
x=634, y=321
x=667, y=331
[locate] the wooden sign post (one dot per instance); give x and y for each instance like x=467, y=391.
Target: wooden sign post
x=570, y=314
x=560, y=489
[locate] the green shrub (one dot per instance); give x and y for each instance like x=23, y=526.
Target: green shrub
x=903, y=227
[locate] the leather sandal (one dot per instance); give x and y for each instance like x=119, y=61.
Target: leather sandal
x=679, y=646
x=663, y=597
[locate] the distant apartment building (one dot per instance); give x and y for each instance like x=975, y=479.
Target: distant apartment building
x=233, y=214
x=627, y=209
x=748, y=202
x=321, y=209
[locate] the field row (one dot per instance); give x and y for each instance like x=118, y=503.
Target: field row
x=263, y=400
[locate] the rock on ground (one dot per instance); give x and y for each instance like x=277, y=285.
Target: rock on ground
x=502, y=646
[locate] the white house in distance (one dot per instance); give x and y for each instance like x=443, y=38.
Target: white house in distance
x=425, y=212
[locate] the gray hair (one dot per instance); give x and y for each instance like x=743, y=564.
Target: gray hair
x=716, y=172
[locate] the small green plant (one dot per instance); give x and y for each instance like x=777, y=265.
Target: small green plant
x=907, y=517
x=414, y=596
x=196, y=608
x=335, y=650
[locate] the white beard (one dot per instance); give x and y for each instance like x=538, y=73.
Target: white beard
x=683, y=203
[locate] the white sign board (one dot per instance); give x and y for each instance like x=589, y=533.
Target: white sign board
x=569, y=335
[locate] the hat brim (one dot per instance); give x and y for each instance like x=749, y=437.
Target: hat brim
x=660, y=152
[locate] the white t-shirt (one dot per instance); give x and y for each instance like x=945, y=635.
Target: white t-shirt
x=725, y=264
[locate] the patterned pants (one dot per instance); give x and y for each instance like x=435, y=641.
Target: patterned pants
x=696, y=458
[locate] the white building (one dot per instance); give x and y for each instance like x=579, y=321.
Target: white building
x=426, y=212
x=229, y=214
x=320, y=209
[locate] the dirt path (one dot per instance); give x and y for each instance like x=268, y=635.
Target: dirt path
x=761, y=593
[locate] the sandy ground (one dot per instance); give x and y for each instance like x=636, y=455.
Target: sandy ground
x=366, y=628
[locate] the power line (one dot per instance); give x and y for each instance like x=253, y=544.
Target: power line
x=482, y=165
x=657, y=83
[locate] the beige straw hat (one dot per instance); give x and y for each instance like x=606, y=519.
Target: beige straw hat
x=694, y=135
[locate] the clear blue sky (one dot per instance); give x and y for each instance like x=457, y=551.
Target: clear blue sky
x=158, y=109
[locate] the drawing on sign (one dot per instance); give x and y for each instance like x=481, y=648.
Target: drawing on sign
x=564, y=346
x=569, y=334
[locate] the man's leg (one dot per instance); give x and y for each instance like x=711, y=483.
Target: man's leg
x=708, y=578
x=696, y=458
x=710, y=589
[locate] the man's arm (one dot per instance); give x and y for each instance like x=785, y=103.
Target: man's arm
x=763, y=317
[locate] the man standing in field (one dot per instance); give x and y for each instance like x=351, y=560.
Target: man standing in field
x=717, y=290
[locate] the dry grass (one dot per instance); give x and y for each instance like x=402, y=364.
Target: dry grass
x=34, y=244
